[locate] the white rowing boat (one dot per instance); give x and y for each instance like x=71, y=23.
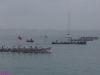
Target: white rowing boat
x=26, y=50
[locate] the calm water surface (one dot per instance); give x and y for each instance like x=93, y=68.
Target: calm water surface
x=61, y=60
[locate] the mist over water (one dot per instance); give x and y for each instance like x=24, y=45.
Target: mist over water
x=61, y=60
x=49, y=32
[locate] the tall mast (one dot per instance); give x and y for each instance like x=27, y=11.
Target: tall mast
x=68, y=23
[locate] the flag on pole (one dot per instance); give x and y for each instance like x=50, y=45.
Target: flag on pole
x=61, y=35
x=46, y=36
x=20, y=38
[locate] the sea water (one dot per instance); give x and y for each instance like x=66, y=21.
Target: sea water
x=61, y=60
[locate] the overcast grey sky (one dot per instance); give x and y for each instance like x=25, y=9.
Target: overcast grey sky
x=50, y=14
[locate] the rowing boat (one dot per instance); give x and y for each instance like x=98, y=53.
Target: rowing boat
x=26, y=50
x=71, y=42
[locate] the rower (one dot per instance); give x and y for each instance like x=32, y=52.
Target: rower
x=56, y=41
x=26, y=47
x=31, y=48
x=35, y=48
x=2, y=47
x=7, y=47
x=20, y=47
x=41, y=47
x=13, y=47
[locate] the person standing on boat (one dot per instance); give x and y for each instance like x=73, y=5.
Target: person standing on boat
x=69, y=37
x=56, y=41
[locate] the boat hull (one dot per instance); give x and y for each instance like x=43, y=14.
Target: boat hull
x=42, y=50
x=96, y=39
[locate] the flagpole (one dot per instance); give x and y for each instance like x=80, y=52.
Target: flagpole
x=68, y=23
x=60, y=37
x=45, y=38
x=19, y=38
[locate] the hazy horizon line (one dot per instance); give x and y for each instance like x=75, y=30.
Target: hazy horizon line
x=48, y=29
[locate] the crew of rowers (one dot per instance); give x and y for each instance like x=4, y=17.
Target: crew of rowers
x=89, y=37
x=81, y=39
x=69, y=42
x=20, y=48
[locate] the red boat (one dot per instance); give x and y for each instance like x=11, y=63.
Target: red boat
x=30, y=40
